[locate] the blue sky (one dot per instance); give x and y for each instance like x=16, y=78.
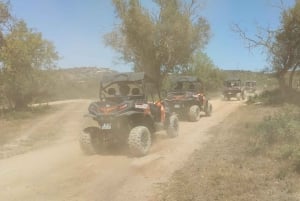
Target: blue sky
x=76, y=28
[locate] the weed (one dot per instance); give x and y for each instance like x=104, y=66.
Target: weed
x=296, y=160
x=278, y=97
x=279, y=134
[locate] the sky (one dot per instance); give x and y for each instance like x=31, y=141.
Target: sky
x=76, y=29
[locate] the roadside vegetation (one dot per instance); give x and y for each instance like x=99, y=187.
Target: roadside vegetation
x=31, y=112
x=253, y=155
x=278, y=136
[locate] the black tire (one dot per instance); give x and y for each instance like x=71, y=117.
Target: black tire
x=194, y=113
x=208, y=109
x=88, y=140
x=173, y=128
x=139, y=141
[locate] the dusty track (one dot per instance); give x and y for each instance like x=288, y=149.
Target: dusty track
x=61, y=172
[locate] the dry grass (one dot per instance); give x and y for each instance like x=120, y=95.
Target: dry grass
x=227, y=169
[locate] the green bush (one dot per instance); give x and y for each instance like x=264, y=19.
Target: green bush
x=296, y=160
x=283, y=126
x=278, y=135
x=277, y=97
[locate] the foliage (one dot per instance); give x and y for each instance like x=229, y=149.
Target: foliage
x=158, y=44
x=5, y=19
x=282, y=45
x=25, y=57
x=204, y=68
x=279, y=135
x=278, y=97
x=286, y=47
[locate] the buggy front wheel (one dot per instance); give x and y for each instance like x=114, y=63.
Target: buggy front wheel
x=89, y=141
x=173, y=127
x=208, y=109
x=194, y=113
x=139, y=141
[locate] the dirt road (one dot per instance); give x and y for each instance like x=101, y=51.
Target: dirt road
x=60, y=172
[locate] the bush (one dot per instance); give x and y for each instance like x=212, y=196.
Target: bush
x=277, y=97
x=279, y=136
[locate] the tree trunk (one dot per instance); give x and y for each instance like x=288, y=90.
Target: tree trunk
x=281, y=81
x=292, y=76
x=20, y=103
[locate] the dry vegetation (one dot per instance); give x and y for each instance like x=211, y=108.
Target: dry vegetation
x=240, y=163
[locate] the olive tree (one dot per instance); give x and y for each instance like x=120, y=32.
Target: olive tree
x=24, y=55
x=158, y=43
x=282, y=44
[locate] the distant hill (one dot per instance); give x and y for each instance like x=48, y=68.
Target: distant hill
x=83, y=74
x=79, y=82
x=83, y=82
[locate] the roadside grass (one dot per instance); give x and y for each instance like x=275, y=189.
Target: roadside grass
x=277, y=97
x=30, y=112
x=253, y=155
x=12, y=122
x=278, y=136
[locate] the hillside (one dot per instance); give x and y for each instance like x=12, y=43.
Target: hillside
x=81, y=82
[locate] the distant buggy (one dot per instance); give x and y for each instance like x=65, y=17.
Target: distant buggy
x=250, y=86
x=186, y=98
x=233, y=89
x=124, y=116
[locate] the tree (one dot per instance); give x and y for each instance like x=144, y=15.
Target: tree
x=158, y=44
x=287, y=46
x=24, y=56
x=203, y=67
x=282, y=44
x=5, y=18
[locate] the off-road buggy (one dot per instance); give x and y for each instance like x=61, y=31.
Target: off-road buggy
x=233, y=89
x=186, y=98
x=250, y=86
x=125, y=116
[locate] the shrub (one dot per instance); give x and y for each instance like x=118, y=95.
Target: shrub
x=277, y=97
x=279, y=134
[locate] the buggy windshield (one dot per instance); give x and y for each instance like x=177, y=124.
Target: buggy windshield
x=122, y=86
x=232, y=83
x=185, y=86
x=186, y=83
x=250, y=83
x=121, y=89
